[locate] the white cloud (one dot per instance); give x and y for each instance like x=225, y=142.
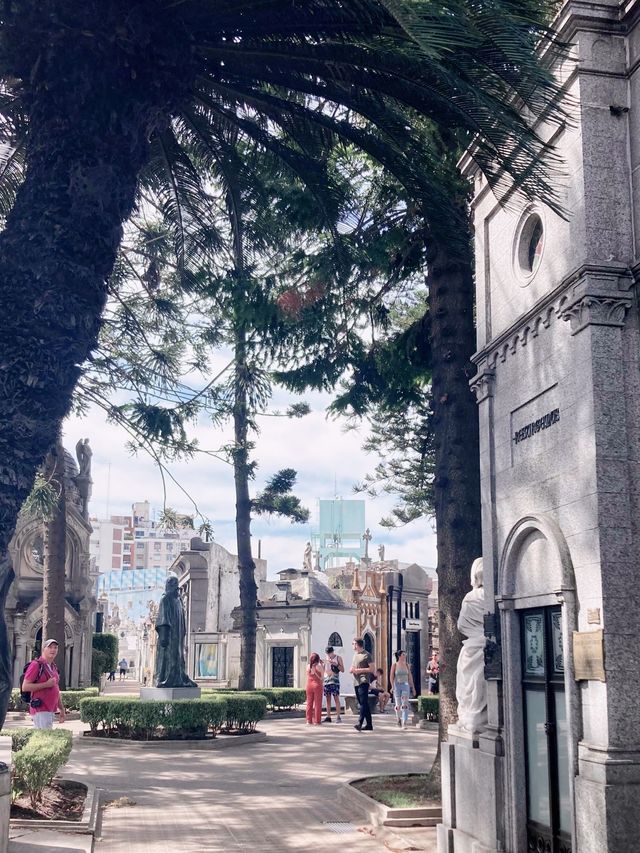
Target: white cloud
x=328, y=460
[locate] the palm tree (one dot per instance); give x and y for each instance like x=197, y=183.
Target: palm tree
x=101, y=95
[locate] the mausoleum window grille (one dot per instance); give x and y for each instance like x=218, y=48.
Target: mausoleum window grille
x=335, y=640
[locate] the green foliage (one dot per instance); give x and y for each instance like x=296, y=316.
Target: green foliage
x=276, y=498
x=184, y=718
x=107, y=659
x=244, y=711
x=429, y=707
x=282, y=698
x=70, y=699
x=37, y=760
x=42, y=501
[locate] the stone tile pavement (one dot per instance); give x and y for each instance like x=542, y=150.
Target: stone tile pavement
x=271, y=797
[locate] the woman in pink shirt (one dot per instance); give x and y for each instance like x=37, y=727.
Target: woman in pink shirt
x=315, y=677
x=42, y=679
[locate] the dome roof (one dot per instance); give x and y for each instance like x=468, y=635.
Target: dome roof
x=71, y=469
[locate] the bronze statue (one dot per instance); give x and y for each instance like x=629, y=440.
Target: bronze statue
x=171, y=628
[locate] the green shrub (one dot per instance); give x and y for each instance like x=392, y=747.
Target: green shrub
x=244, y=711
x=38, y=760
x=143, y=720
x=71, y=698
x=108, y=645
x=429, y=707
x=283, y=698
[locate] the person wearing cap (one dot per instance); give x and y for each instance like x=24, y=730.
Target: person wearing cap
x=42, y=680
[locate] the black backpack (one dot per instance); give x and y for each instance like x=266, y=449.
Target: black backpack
x=25, y=695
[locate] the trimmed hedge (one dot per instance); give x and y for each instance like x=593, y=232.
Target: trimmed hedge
x=244, y=711
x=70, y=699
x=429, y=707
x=181, y=718
x=278, y=698
x=38, y=755
x=283, y=698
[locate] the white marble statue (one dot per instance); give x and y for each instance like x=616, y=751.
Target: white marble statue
x=471, y=690
x=306, y=560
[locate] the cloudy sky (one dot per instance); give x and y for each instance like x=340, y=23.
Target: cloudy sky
x=328, y=460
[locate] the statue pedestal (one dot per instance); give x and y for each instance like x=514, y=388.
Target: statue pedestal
x=168, y=694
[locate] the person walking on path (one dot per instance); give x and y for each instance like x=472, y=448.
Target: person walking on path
x=42, y=681
x=362, y=670
x=333, y=666
x=401, y=683
x=315, y=673
x=124, y=666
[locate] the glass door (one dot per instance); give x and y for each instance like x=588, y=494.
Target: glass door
x=546, y=732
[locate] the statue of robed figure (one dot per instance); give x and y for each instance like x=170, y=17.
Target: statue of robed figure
x=172, y=630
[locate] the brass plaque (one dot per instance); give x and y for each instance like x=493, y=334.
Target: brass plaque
x=588, y=655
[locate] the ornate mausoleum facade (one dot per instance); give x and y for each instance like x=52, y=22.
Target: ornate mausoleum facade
x=24, y=603
x=556, y=765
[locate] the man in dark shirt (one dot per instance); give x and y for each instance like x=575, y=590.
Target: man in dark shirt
x=362, y=669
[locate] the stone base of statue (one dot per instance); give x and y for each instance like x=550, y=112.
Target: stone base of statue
x=472, y=791
x=169, y=694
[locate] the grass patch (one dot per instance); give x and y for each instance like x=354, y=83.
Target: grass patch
x=400, y=792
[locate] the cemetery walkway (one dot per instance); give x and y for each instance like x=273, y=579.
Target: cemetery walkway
x=270, y=797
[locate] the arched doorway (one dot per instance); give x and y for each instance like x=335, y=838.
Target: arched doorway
x=369, y=645
x=537, y=591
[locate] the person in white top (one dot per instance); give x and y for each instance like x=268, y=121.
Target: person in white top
x=333, y=666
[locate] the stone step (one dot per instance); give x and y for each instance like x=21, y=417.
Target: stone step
x=418, y=811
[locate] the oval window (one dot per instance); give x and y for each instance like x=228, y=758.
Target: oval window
x=530, y=245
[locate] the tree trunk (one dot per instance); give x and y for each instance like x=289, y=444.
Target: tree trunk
x=6, y=657
x=86, y=143
x=457, y=468
x=246, y=565
x=55, y=553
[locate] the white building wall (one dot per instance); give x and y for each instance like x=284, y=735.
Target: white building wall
x=323, y=624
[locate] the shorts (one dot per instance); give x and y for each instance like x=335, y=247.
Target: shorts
x=43, y=720
x=332, y=688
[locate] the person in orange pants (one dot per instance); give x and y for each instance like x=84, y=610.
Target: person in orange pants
x=315, y=677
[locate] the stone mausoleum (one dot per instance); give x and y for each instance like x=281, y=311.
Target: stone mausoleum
x=24, y=602
x=556, y=767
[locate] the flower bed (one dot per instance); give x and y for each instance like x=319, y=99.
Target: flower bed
x=137, y=719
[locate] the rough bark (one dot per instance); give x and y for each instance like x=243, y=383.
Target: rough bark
x=6, y=656
x=86, y=142
x=457, y=470
x=55, y=553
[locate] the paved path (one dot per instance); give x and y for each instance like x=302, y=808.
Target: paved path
x=270, y=797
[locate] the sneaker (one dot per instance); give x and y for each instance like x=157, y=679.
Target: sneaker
x=367, y=728
x=338, y=719
x=358, y=727
x=327, y=720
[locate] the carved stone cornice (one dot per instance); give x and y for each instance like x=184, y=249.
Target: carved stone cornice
x=596, y=309
x=587, y=284
x=483, y=384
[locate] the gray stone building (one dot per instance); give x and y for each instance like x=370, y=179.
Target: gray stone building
x=557, y=766
x=24, y=603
